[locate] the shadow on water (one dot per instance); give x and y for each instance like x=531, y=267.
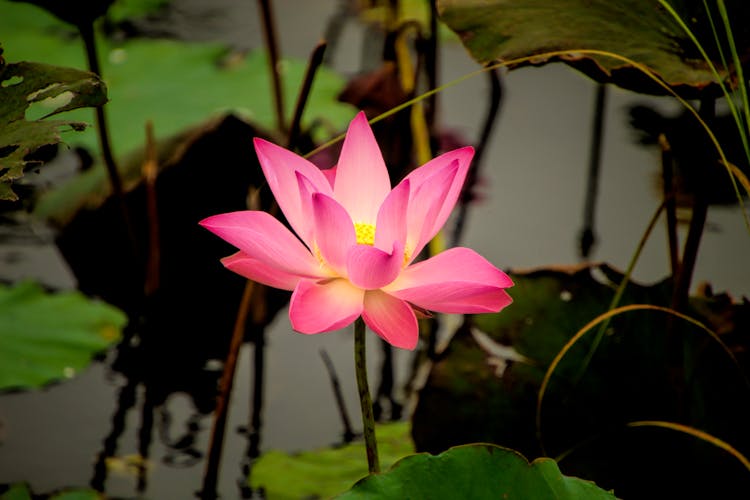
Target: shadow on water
x=179, y=334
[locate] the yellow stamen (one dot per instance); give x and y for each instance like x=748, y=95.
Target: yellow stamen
x=365, y=233
x=407, y=256
x=319, y=256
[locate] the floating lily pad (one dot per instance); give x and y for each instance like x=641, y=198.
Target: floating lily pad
x=33, y=88
x=479, y=472
x=327, y=472
x=21, y=491
x=641, y=30
x=174, y=84
x=47, y=337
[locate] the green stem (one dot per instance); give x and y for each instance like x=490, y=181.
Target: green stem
x=272, y=45
x=368, y=420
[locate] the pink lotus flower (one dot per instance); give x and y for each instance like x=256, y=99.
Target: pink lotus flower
x=359, y=238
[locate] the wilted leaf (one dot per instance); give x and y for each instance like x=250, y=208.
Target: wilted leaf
x=479, y=472
x=692, y=152
x=641, y=30
x=327, y=472
x=39, y=90
x=649, y=365
x=46, y=337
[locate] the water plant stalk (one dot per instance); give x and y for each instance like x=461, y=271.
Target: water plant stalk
x=316, y=59
x=256, y=420
x=588, y=235
x=211, y=475
x=89, y=41
x=684, y=277
x=670, y=204
x=496, y=96
x=272, y=46
x=365, y=401
x=431, y=67
x=348, y=432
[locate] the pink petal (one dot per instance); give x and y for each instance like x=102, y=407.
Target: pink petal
x=262, y=237
x=392, y=319
x=362, y=181
x=458, y=280
x=371, y=268
x=280, y=167
x=330, y=174
x=424, y=208
x=334, y=231
x=323, y=306
x=463, y=156
x=391, y=222
x=255, y=270
x=306, y=191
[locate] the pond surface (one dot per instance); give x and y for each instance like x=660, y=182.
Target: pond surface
x=533, y=185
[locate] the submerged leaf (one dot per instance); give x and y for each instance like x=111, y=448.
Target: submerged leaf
x=46, y=337
x=478, y=471
x=30, y=93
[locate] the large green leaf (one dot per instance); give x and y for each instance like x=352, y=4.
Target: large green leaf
x=46, y=337
x=326, y=472
x=34, y=88
x=479, y=472
x=641, y=30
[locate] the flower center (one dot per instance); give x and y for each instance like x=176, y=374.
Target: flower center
x=365, y=233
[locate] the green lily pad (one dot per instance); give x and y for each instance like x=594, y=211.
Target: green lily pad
x=327, y=472
x=641, y=30
x=174, y=84
x=21, y=491
x=33, y=88
x=47, y=337
x=479, y=471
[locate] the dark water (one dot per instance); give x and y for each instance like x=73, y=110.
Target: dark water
x=530, y=215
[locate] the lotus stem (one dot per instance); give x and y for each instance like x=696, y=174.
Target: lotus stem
x=368, y=419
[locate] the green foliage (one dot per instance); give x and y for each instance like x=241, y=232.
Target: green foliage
x=29, y=89
x=649, y=366
x=20, y=491
x=173, y=84
x=46, y=337
x=327, y=472
x=480, y=471
x=640, y=30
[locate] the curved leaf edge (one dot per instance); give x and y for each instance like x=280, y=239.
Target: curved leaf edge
x=546, y=466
